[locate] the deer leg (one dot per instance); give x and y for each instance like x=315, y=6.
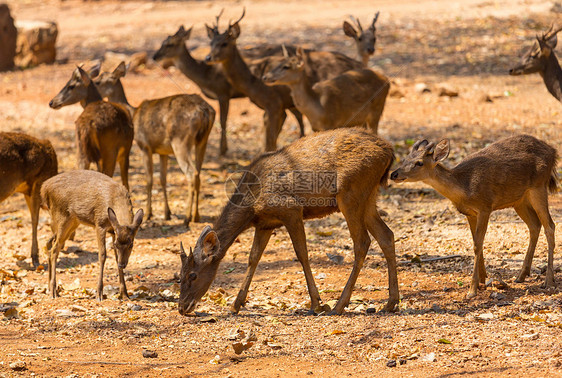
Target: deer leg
x=163, y=174
x=481, y=268
x=63, y=231
x=182, y=151
x=200, y=149
x=122, y=286
x=33, y=201
x=108, y=161
x=539, y=201
x=385, y=239
x=273, y=122
x=102, y=255
x=148, y=164
x=479, y=234
x=298, y=117
x=295, y=227
x=224, y=104
x=533, y=222
x=124, y=165
x=261, y=237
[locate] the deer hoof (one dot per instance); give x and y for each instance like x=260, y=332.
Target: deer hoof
x=549, y=281
x=391, y=306
x=471, y=294
x=167, y=215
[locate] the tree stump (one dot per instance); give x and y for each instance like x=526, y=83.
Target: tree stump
x=8, y=37
x=36, y=43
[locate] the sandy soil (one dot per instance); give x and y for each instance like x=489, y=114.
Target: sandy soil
x=466, y=45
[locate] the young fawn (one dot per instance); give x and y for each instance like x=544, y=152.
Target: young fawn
x=90, y=198
x=25, y=163
x=104, y=133
x=337, y=170
x=541, y=59
x=176, y=125
x=364, y=39
x=353, y=98
x=516, y=172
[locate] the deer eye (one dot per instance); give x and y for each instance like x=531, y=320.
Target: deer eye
x=192, y=276
x=224, y=44
x=360, y=38
x=419, y=164
x=286, y=67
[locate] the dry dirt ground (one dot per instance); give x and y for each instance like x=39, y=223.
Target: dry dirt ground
x=514, y=329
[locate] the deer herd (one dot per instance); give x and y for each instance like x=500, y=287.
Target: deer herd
x=342, y=98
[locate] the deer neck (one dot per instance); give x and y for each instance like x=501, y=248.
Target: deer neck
x=365, y=60
x=232, y=221
x=192, y=68
x=306, y=100
x=446, y=183
x=118, y=96
x=241, y=77
x=552, y=77
x=92, y=95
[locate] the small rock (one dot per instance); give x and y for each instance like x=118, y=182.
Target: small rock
x=391, y=363
x=149, y=354
x=421, y=88
x=371, y=310
x=215, y=360
x=77, y=308
x=208, y=319
x=437, y=309
x=486, y=316
x=396, y=93
x=402, y=361
x=497, y=296
x=338, y=259
x=18, y=366
x=429, y=357
x=445, y=90
x=531, y=336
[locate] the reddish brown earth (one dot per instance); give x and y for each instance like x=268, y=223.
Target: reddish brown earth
x=467, y=45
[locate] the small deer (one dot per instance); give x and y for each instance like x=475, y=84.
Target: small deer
x=517, y=172
x=210, y=78
x=541, y=58
x=337, y=170
x=353, y=98
x=25, y=163
x=176, y=125
x=364, y=39
x=90, y=198
x=104, y=133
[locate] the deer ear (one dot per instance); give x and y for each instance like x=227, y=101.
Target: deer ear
x=545, y=47
x=84, y=76
x=137, y=219
x=349, y=30
x=210, y=31
x=551, y=42
x=183, y=256
x=187, y=33
x=120, y=70
x=211, y=244
x=112, y=218
x=441, y=150
x=95, y=70
x=234, y=31
x=207, y=246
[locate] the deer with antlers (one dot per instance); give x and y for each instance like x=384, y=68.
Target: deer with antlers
x=364, y=39
x=540, y=59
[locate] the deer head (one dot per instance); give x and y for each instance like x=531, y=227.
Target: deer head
x=364, y=39
x=223, y=45
x=124, y=236
x=107, y=81
x=76, y=89
x=289, y=70
x=171, y=47
x=198, y=270
x=536, y=58
x=421, y=161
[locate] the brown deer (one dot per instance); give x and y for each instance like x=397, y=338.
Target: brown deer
x=274, y=100
x=364, y=39
x=540, y=58
x=210, y=78
x=354, y=98
x=176, y=125
x=516, y=172
x=337, y=170
x=104, y=133
x=25, y=163
x=90, y=198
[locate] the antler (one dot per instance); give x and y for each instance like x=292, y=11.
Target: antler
x=551, y=32
x=356, y=21
x=218, y=17
x=375, y=20
x=237, y=21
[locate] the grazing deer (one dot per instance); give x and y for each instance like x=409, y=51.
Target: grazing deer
x=176, y=125
x=354, y=98
x=210, y=78
x=25, y=162
x=90, y=198
x=364, y=40
x=337, y=170
x=516, y=172
x=540, y=58
x=104, y=133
